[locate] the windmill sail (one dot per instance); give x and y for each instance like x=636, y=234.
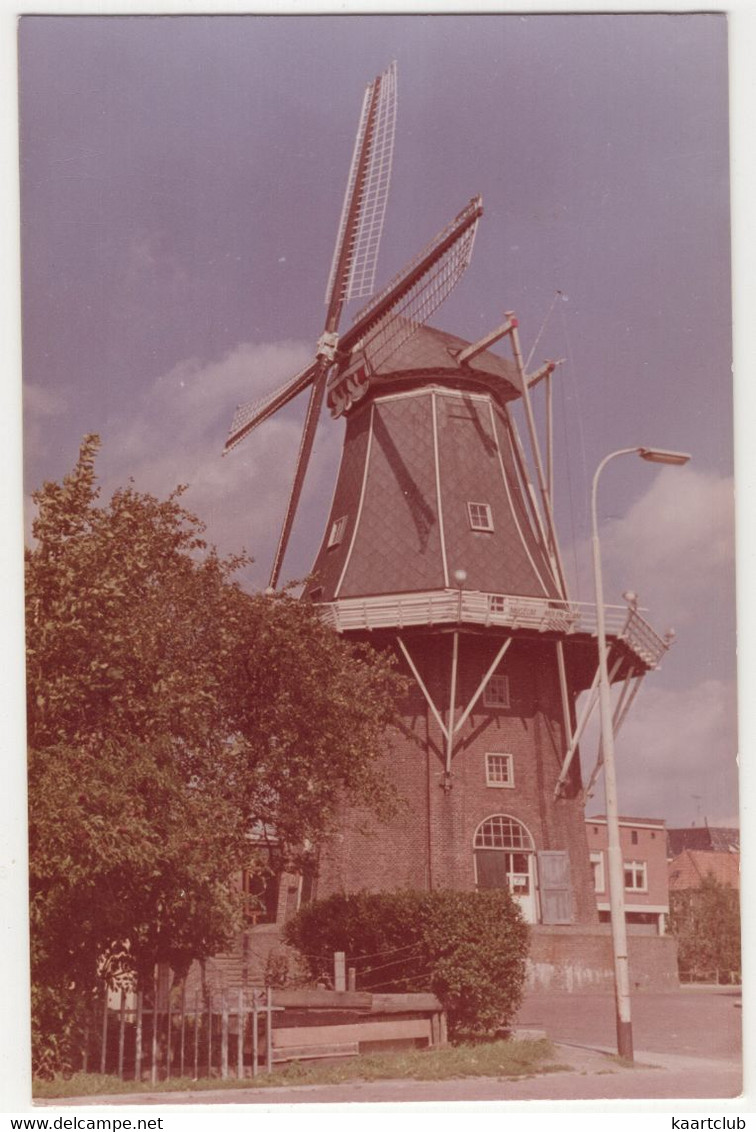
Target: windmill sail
x=409, y=300
x=395, y=313
x=430, y=278
x=356, y=245
x=253, y=413
x=355, y=256
x=356, y=252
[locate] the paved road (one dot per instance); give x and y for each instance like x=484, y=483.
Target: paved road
x=687, y=1045
x=597, y=1078
x=697, y=1021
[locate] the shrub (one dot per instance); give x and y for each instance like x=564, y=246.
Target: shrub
x=705, y=921
x=468, y=948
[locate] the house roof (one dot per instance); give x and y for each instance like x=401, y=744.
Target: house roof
x=689, y=868
x=710, y=838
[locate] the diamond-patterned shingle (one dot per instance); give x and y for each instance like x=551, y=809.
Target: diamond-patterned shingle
x=393, y=545
x=397, y=548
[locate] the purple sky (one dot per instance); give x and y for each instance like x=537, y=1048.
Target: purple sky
x=181, y=186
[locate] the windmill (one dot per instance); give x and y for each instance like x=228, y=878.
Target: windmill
x=440, y=546
x=392, y=316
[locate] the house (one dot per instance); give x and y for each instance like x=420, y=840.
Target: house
x=706, y=914
x=644, y=854
x=689, y=868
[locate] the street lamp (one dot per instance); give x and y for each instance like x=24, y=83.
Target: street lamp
x=614, y=849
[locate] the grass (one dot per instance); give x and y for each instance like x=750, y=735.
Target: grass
x=493, y=1059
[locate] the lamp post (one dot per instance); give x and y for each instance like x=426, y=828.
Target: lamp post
x=614, y=848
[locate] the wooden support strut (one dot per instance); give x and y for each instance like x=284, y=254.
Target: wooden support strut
x=619, y=716
x=477, y=694
x=586, y=713
x=551, y=543
x=453, y=728
x=563, y=690
x=452, y=699
x=464, y=357
x=423, y=688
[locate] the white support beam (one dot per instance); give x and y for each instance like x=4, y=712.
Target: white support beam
x=639, y=678
x=464, y=357
x=585, y=715
x=476, y=696
x=550, y=439
x=552, y=545
x=423, y=689
x=618, y=718
x=452, y=699
x=545, y=370
x=563, y=690
x=529, y=491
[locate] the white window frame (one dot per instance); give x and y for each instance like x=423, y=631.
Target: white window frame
x=599, y=874
x=492, y=699
x=481, y=519
x=502, y=831
x=494, y=767
x=639, y=872
x=338, y=526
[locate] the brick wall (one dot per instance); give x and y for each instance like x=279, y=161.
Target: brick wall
x=429, y=843
x=581, y=960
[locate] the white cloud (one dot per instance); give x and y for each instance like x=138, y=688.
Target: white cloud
x=675, y=545
x=675, y=548
x=676, y=754
x=175, y=435
x=40, y=406
x=39, y=402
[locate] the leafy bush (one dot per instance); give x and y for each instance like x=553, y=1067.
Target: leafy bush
x=468, y=948
x=706, y=924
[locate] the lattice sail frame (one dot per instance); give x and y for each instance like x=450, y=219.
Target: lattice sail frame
x=421, y=300
x=359, y=279
x=387, y=322
x=252, y=413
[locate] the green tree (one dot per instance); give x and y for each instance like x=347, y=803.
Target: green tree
x=706, y=924
x=468, y=948
x=170, y=714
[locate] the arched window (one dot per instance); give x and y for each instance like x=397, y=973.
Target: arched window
x=504, y=854
x=502, y=832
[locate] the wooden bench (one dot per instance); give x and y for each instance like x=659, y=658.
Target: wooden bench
x=310, y=1052
x=286, y=1038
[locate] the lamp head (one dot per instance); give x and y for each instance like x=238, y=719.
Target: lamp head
x=663, y=456
x=460, y=577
